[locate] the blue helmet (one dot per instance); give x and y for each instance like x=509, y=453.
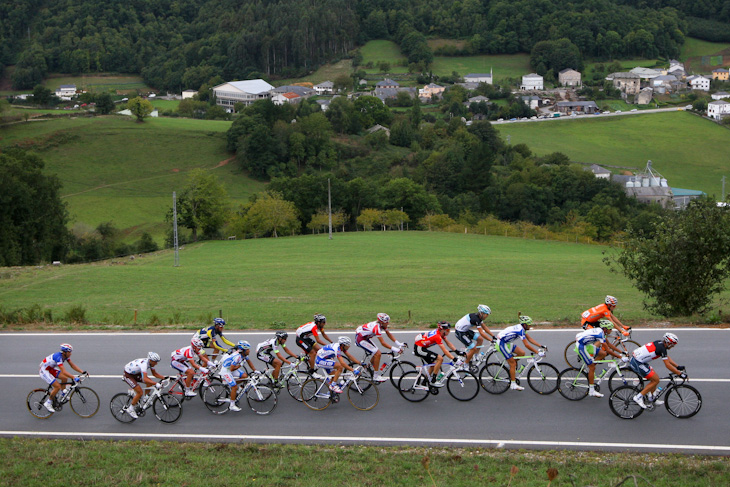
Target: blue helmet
x=243, y=345
x=219, y=322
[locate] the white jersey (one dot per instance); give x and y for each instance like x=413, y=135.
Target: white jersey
x=369, y=330
x=139, y=366
x=330, y=352
x=467, y=321
x=231, y=360
x=269, y=346
x=511, y=333
x=183, y=354
x=52, y=361
x=590, y=336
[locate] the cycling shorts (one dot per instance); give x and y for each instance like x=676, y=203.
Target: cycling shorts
x=506, y=348
x=132, y=380
x=49, y=374
x=305, y=343
x=644, y=370
x=467, y=338
x=366, y=344
x=324, y=363
x=229, y=377
x=181, y=367
x=427, y=355
x=265, y=356
x=586, y=353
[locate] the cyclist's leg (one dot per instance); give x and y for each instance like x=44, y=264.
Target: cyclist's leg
x=370, y=349
x=475, y=344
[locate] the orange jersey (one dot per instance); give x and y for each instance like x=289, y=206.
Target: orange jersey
x=595, y=313
x=433, y=337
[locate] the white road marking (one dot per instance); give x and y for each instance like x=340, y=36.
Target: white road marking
x=359, y=439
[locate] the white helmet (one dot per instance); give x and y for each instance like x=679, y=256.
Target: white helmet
x=196, y=342
x=611, y=301
x=383, y=318
x=483, y=308
x=344, y=341
x=671, y=338
x=153, y=357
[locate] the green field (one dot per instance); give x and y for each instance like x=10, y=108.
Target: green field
x=502, y=66
x=328, y=72
x=114, y=169
x=165, y=105
x=689, y=151
x=428, y=276
x=695, y=47
x=98, y=83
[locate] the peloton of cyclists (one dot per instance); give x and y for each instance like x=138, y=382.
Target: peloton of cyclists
x=308, y=338
x=470, y=338
x=506, y=346
x=592, y=345
x=375, y=329
x=53, y=372
x=642, y=356
x=426, y=340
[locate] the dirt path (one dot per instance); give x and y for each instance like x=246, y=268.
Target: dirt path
x=224, y=162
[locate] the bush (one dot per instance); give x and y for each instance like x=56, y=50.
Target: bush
x=76, y=314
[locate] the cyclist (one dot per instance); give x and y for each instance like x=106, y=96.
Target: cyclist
x=183, y=360
x=52, y=369
x=467, y=336
x=308, y=337
x=231, y=369
x=208, y=336
x=509, y=349
x=434, y=337
x=375, y=329
x=588, y=351
x=138, y=371
x=268, y=352
x=330, y=357
x=590, y=317
x=640, y=364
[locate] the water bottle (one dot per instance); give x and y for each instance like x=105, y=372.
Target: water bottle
x=439, y=376
x=384, y=366
x=656, y=393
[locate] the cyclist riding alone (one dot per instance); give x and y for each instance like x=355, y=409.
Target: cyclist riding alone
x=268, y=352
x=590, y=317
x=375, y=329
x=589, y=352
x=183, y=360
x=470, y=338
x=429, y=339
x=509, y=349
x=138, y=371
x=231, y=369
x=52, y=369
x=330, y=357
x=640, y=364
x=308, y=338
x=209, y=334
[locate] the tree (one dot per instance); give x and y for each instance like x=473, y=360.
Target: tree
x=271, y=214
x=202, y=204
x=369, y=218
x=140, y=108
x=684, y=265
x=42, y=96
x=104, y=103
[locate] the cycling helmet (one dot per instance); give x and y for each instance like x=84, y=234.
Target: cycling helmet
x=196, y=342
x=607, y=324
x=444, y=325
x=671, y=338
x=483, y=308
x=383, y=318
x=219, y=322
x=282, y=335
x=344, y=341
x=525, y=320
x=65, y=347
x=243, y=345
x=611, y=301
x=153, y=357
x=318, y=318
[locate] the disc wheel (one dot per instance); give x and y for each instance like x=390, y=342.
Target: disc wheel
x=216, y=397
x=35, y=401
x=630, y=378
x=84, y=402
x=622, y=403
x=494, y=378
x=463, y=385
x=683, y=401
x=167, y=408
x=573, y=384
x=363, y=394
x=295, y=382
x=118, y=406
x=413, y=386
x=316, y=394
x=261, y=399
x=543, y=378
x=398, y=369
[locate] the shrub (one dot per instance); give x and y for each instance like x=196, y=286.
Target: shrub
x=75, y=314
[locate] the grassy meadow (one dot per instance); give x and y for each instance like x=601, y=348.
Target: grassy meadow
x=671, y=140
x=428, y=276
x=122, y=84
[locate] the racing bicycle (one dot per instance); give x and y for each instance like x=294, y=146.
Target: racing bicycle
x=573, y=383
x=260, y=397
x=292, y=376
x=199, y=383
x=541, y=376
x=84, y=401
x=361, y=391
x=167, y=407
x=416, y=385
x=624, y=343
x=681, y=400
x=395, y=368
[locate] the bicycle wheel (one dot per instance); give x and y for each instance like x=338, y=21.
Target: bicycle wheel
x=167, y=408
x=573, y=384
x=316, y=394
x=622, y=403
x=35, y=401
x=543, y=378
x=84, y=402
x=118, y=406
x=363, y=394
x=494, y=378
x=398, y=369
x=295, y=382
x=628, y=346
x=261, y=399
x=630, y=378
x=683, y=401
x=178, y=390
x=413, y=386
x=571, y=357
x=463, y=385
x=216, y=397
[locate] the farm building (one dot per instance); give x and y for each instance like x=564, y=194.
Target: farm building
x=246, y=92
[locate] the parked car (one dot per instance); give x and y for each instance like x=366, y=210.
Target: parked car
x=634, y=110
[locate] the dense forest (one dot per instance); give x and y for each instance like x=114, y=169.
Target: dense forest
x=178, y=44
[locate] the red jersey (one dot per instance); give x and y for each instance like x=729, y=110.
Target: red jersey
x=433, y=337
x=594, y=314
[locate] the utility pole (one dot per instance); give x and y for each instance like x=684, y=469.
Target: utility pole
x=329, y=205
x=723, y=188
x=174, y=228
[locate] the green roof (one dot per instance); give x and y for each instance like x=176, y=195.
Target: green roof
x=687, y=192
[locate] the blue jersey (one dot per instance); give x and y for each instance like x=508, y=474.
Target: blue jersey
x=512, y=333
x=590, y=337
x=330, y=352
x=231, y=360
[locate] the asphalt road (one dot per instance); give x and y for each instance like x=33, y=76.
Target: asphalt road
x=514, y=419
x=586, y=117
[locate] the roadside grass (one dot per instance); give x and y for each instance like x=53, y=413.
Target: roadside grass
x=689, y=151
x=98, y=83
x=154, y=463
x=418, y=278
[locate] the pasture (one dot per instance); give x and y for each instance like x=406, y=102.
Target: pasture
x=689, y=151
x=121, y=84
x=424, y=276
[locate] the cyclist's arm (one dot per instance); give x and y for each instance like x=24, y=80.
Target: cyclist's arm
x=616, y=322
x=446, y=352
x=325, y=337
x=74, y=366
x=671, y=365
x=203, y=358
x=281, y=357
x=250, y=364
x=482, y=328
x=351, y=357
x=63, y=373
x=451, y=345
x=226, y=341
x=390, y=335
x=611, y=349
x=382, y=341
x=531, y=340
x=344, y=363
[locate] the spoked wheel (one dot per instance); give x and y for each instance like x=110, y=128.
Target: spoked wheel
x=494, y=378
x=571, y=357
x=622, y=403
x=543, y=378
x=628, y=346
x=178, y=390
x=683, y=401
x=261, y=399
x=35, y=401
x=463, y=385
x=398, y=369
x=630, y=378
x=167, y=408
x=573, y=384
x=216, y=397
x=295, y=382
x=84, y=402
x=316, y=394
x=413, y=386
x=215, y=385
x=118, y=406
x=363, y=394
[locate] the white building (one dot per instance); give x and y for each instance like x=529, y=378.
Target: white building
x=326, y=88
x=246, y=92
x=289, y=97
x=720, y=95
x=699, y=83
x=716, y=109
x=532, y=81
x=188, y=94
x=479, y=78
x=66, y=91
